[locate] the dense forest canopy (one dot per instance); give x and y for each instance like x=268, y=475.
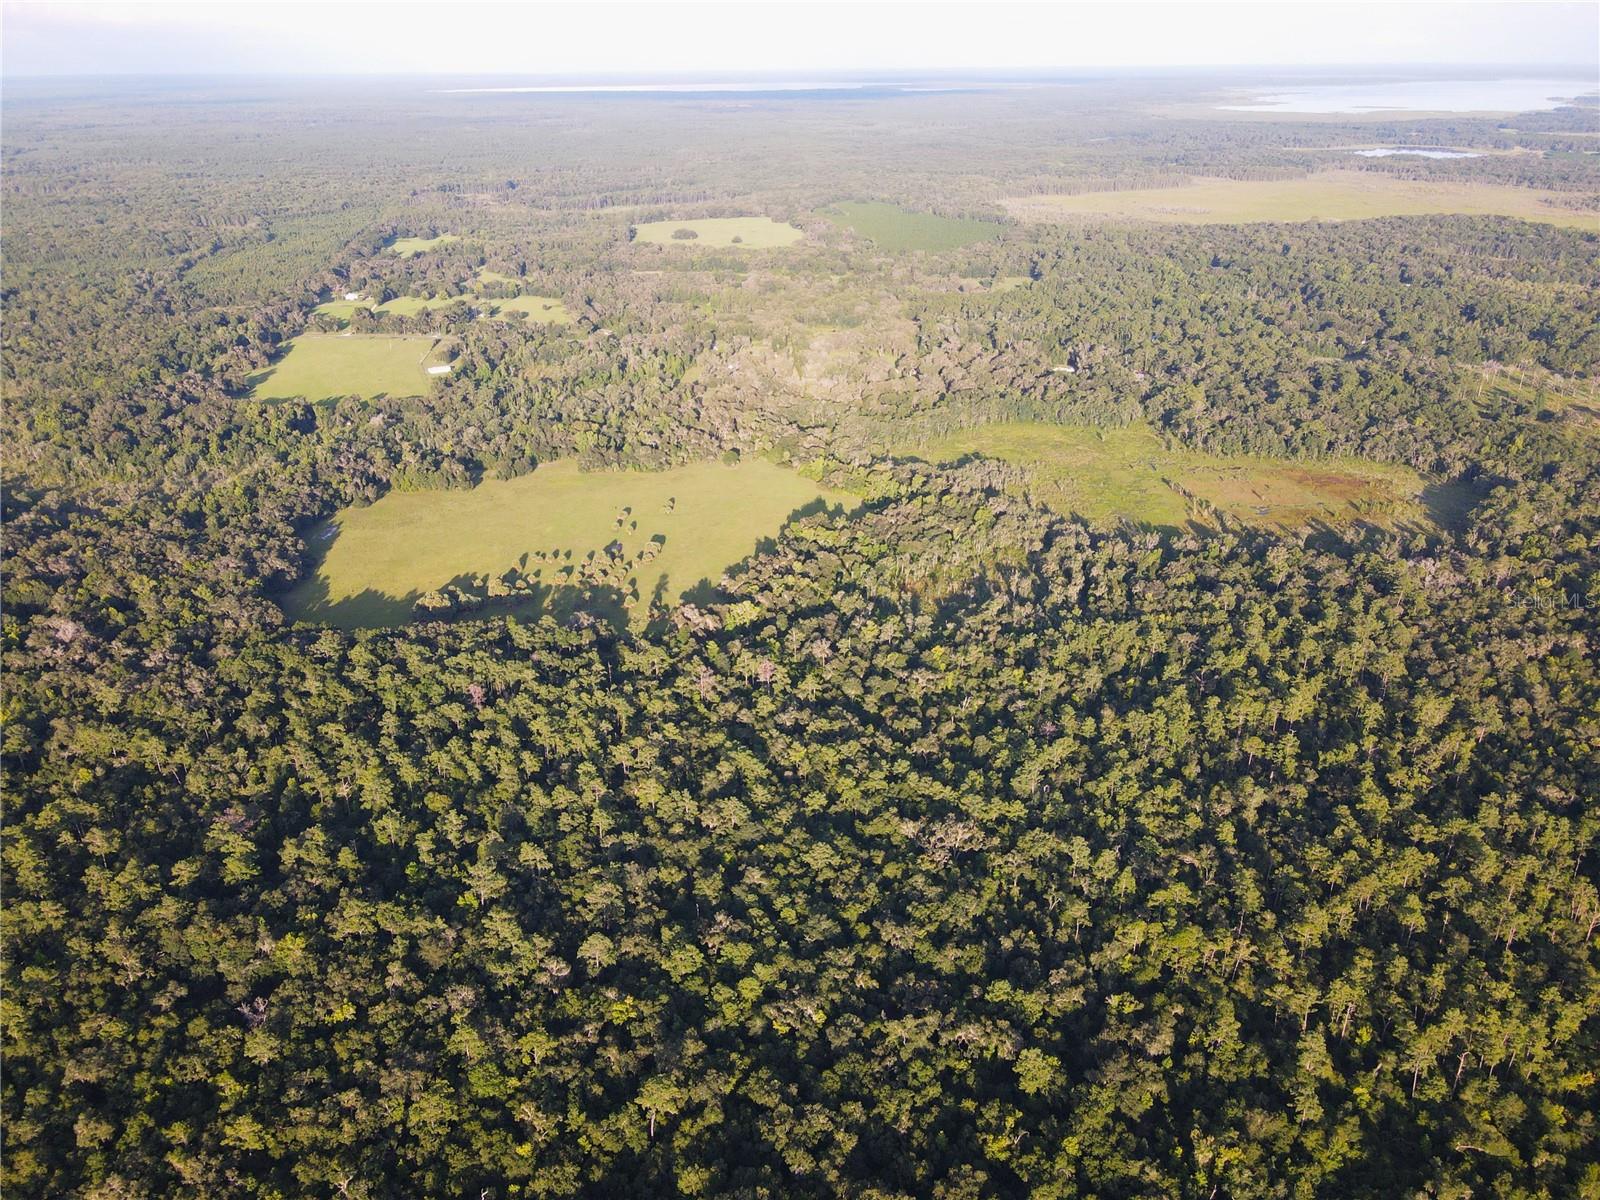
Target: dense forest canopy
x=948, y=845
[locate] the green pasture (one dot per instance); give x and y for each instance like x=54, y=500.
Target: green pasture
x=375, y=561
x=750, y=233
x=410, y=247
x=341, y=310
x=549, y=309
x=320, y=366
x=410, y=306
x=896, y=229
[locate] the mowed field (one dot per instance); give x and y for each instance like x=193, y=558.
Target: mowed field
x=377, y=560
x=1127, y=474
x=750, y=233
x=319, y=366
x=1326, y=196
x=410, y=247
x=896, y=229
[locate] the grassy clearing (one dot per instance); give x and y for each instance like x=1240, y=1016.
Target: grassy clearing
x=1326, y=196
x=320, y=366
x=548, y=309
x=410, y=306
x=341, y=310
x=705, y=517
x=400, y=306
x=1127, y=474
x=896, y=229
x=410, y=247
x=750, y=233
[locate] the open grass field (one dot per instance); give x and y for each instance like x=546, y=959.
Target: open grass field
x=342, y=310
x=410, y=306
x=548, y=309
x=1127, y=474
x=319, y=366
x=410, y=247
x=750, y=233
x=1326, y=196
x=377, y=560
x=400, y=306
x=896, y=229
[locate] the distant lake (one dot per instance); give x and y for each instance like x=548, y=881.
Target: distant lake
x=744, y=87
x=1430, y=95
x=740, y=86
x=1386, y=151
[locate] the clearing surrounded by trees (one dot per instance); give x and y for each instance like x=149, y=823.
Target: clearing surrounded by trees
x=749, y=233
x=1326, y=196
x=552, y=528
x=551, y=310
x=410, y=306
x=892, y=228
x=321, y=366
x=410, y=247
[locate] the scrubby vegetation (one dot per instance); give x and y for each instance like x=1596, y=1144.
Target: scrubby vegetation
x=1112, y=474
x=946, y=845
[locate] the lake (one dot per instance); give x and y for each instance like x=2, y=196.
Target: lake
x=1387, y=151
x=1420, y=95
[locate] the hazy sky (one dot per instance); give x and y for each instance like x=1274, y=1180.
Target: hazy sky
x=644, y=40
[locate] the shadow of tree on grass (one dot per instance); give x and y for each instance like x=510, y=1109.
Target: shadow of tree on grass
x=369, y=609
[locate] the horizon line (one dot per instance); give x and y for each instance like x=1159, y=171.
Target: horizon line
x=860, y=76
